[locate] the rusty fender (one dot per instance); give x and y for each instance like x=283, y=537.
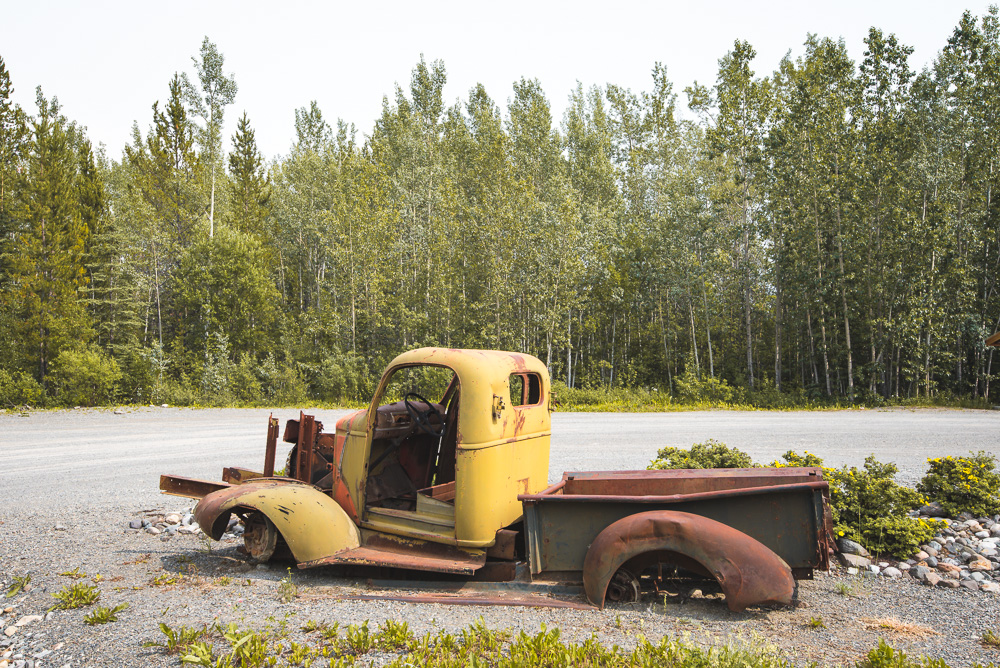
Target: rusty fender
x=312, y=523
x=748, y=572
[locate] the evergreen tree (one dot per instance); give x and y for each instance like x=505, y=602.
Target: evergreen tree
x=250, y=195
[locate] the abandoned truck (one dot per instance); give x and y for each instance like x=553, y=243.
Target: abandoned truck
x=447, y=472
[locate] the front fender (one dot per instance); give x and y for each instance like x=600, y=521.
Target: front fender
x=748, y=572
x=313, y=525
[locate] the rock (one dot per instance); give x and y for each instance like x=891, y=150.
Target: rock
x=971, y=585
x=932, y=562
x=948, y=583
x=933, y=509
x=172, y=518
x=891, y=572
x=28, y=619
x=852, y=570
x=883, y=564
x=903, y=566
x=854, y=560
x=41, y=655
x=933, y=545
x=153, y=530
x=920, y=572
x=933, y=579
x=9, y=631
x=990, y=587
x=146, y=523
x=988, y=552
x=59, y=527
x=995, y=529
x=979, y=563
x=187, y=519
x=874, y=569
x=135, y=524
x=977, y=576
x=982, y=534
x=164, y=405
x=921, y=555
x=948, y=568
x=165, y=537
x=973, y=526
x=848, y=546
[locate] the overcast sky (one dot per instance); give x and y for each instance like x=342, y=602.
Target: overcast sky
x=109, y=61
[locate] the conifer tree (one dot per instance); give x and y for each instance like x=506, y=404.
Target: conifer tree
x=251, y=189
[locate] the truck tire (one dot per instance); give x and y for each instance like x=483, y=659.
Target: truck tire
x=260, y=536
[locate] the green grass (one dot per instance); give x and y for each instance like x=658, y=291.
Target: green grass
x=476, y=645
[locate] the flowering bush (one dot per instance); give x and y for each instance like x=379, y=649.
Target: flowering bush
x=963, y=484
x=868, y=506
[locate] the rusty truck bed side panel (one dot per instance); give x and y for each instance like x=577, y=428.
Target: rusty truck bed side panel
x=789, y=518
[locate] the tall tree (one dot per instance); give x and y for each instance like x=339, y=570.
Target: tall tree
x=217, y=91
x=251, y=190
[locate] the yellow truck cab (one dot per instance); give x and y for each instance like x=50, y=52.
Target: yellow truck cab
x=427, y=477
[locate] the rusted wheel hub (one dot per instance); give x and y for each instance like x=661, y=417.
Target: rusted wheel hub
x=260, y=536
x=623, y=588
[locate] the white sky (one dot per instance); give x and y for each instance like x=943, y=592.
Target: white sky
x=109, y=61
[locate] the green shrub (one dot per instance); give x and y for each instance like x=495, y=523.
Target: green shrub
x=704, y=390
x=793, y=458
x=708, y=455
x=19, y=389
x=282, y=384
x=85, y=376
x=869, y=506
x=963, y=484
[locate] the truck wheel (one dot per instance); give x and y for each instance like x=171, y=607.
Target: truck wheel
x=293, y=459
x=260, y=536
x=623, y=588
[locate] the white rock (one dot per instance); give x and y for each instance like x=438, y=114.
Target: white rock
x=172, y=518
x=28, y=619
x=852, y=571
x=874, y=569
x=9, y=631
x=982, y=534
x=990, y=587
x=903, y=566
x=891, y=572
x=883, y=564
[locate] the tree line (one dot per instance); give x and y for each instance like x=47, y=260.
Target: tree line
x=827, y=232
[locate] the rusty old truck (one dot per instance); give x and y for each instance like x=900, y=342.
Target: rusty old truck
x=447, y=471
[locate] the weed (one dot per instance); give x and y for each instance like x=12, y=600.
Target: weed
x=75, y=574
x=103, y=615
x=76, y=596
x=394, y=635
x=897, y=626
x=816, y=623
x=287, y=591
x=223, y=581
x=176, y=640
x=165, y=580
x=19, y=584
x=358, y=638
x=97, y=578
x=990, y=639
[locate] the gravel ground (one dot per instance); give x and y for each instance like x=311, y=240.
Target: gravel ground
x=70, y=481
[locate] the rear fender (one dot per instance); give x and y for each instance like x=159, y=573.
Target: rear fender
x=313, y=525
x=748, y=572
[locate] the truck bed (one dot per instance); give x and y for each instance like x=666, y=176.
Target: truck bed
x=783, y=508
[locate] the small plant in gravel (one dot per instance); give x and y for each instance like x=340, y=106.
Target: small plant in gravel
x=990, y=639
x=76, y=596
x=19, y=584
x=287, y=591
x=103, y=615
x=165, y=580
x=708, y=455
x=963, y=484
x=393, y=635
x=816, y=623
x=75, y=574
x=176, y=639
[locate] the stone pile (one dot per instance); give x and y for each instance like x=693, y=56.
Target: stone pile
x=965, y=554
x=182, y=522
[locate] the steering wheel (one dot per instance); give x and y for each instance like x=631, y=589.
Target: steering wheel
x=422, y=417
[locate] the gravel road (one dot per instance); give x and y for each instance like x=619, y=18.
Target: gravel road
x=70, y=481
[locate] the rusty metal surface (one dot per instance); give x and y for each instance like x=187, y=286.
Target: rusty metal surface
x=683, y=481
x=444, y=599
x=271, y=446
x=192, y=488
x=748, y=572
x=789, y=519
x=505, y=547
x=237, y=476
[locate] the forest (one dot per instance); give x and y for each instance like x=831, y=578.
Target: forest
x=823, y=233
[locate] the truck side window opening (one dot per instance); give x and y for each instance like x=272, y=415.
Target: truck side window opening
x=525, y=389
x=413, y=444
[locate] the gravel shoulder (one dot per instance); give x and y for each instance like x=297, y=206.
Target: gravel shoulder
x=72, y=480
